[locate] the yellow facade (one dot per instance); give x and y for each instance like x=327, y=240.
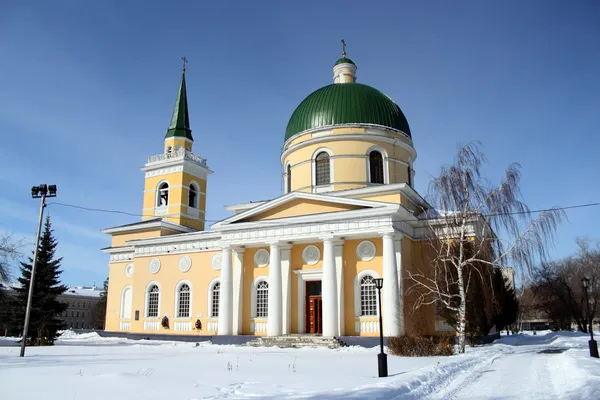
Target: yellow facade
x=319, y=245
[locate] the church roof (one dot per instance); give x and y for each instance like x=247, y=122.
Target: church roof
x=348, y=103
x=344, y=60
x=180, y=123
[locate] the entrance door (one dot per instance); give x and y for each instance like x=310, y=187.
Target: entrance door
x=314, y=315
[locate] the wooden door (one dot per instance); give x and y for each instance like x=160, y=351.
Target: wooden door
x=315, y=314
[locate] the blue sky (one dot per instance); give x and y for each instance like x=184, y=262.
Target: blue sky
x=87, y=91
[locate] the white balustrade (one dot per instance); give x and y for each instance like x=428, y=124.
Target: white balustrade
x=124, y=325
x=259, y=326
x=181, y=154
x=367, y=326
x=212, y=325
x=182, y=326
x=151, y=325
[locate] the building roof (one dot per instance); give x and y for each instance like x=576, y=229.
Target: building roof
x=180, y=123
x=348, y=103
x=344, y=60
x=83, y=291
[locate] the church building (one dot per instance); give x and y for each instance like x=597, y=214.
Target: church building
x=304, y=262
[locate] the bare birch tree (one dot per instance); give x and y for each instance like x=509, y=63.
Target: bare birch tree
x=472, y=224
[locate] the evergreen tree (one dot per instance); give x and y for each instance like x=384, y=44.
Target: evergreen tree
x=506, y=305
x=101, y=308
x=45, y=307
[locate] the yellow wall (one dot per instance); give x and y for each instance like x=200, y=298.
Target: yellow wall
x=173, y=142
x=250, y=273
x=169, y=275
x=300, y=207
x=349, y=161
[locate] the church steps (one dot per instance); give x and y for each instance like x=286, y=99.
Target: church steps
x=297, y=341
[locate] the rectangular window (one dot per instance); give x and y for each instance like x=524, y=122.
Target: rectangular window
x=153, y=305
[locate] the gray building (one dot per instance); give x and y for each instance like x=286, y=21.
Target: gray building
x=81, y=311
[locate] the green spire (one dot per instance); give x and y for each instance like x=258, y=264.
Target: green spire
x=180, y=123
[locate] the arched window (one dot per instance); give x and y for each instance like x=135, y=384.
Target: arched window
x=376, y=167
x=322, y=171
x=163, y=195
x=192, y=196
x=126, y=300
x=262, y=299
x=183, y=301
x=153, y=299
x=289, y=178
x=214, y=301
x=368, y=296
x=409, y=176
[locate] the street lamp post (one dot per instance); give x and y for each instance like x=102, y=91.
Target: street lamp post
x=37, y=192
x=381, y=357
x=593, y=345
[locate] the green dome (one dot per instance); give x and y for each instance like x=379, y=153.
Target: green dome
x=346, y=103
x=344, y=60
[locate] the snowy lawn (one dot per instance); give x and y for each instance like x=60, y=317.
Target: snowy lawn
x=89, y=367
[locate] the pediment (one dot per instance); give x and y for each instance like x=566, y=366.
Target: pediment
x=299, y=205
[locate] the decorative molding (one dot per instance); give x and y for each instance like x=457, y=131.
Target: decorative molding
x=259, y=326
x=212, y=325
x=366, y=325
x=127, y=256
x=164, y=171
x=217, y=260
x=151, y=325
x=261, y=258
x=180, y=326
x=154, y=265
x=168, y=246
x=365, y=251
x=124, y=326
x=185, y=263
x=311, y=254
x=129, y=270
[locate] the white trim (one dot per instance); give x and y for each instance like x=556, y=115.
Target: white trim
x=147, y=297
x=327, y=187
x=253, y=304
x=177, y=288
x=238, y=289
x=385, y=164
x=142, y=226
x=257, y=258
x=286, y=289
x=123, y=305
x=338, y=249
x=357, y=280
x=304, y=276
x=374, y=133
x=211, y=285
x=305, y=255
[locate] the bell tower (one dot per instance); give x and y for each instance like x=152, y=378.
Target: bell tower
x=175, y=180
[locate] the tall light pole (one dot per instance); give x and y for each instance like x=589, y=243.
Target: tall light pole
x=37, y=192
x=381, y=357
x=585, y=283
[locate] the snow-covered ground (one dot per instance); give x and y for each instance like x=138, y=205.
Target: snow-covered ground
x=88, y=367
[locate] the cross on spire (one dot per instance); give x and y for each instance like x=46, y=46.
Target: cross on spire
x=343, y=48
x=184, y=62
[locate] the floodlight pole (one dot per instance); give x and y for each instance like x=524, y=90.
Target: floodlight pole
x=37, y=191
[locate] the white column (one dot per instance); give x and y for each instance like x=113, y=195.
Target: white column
x=398, y=246
x=286, y=289
x=226, y=294
x=275, y=306
x=238, y=278
x=329, y=290
x=339, y=267
x=390, y=292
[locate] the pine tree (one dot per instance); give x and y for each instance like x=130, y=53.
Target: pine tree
x=45, y=307
x=101, y=307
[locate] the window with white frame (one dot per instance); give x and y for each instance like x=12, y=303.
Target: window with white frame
x=193, y=196
x=368, y=296
x=153, y=298
x=214, y=301
x=163, y=195
x=183, y=301
x=376, y=167
x=262, y=299
x=322, y=170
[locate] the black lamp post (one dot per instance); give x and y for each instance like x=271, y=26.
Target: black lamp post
x=381, y=357
x=585, y=283
x=37, y=192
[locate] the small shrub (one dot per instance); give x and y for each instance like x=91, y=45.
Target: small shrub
x=420, y=346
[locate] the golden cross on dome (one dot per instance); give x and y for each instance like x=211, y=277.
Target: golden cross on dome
x=343, y=48
x=184, y=62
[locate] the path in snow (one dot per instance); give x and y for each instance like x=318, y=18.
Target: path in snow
x=520, y=371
